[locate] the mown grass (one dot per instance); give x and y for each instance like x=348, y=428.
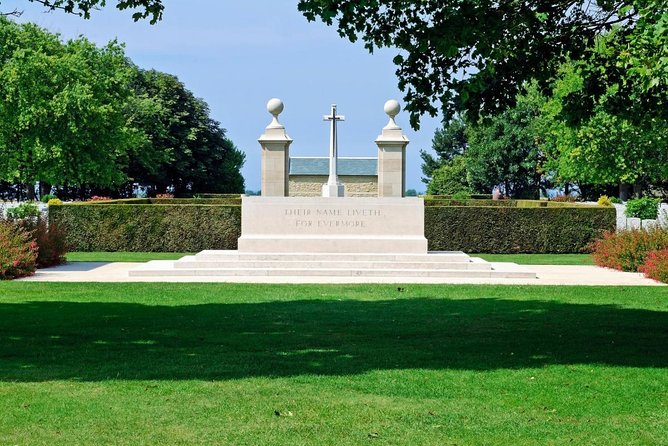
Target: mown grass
x=522, y=259
x=79, y=256
x=133, y=363
x=539, y=259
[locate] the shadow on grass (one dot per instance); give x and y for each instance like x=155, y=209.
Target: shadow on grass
x=99, y=341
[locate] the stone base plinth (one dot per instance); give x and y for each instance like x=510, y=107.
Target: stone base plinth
x=332, y=225
x=333, y=190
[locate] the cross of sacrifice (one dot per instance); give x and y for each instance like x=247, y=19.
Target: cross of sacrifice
x=333, y=188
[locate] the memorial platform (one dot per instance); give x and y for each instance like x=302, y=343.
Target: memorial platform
x=332, y=237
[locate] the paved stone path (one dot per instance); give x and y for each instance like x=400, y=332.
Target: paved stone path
x=547, y=275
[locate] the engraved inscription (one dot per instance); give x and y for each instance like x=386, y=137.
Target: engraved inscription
x=331, y=218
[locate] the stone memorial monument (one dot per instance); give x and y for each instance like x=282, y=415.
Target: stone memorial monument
x=275, y=144
x=333, y=188
x=332, y=235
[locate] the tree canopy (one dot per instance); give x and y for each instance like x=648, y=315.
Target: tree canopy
x=76, y=115
x=475, y=55
x=151, y=9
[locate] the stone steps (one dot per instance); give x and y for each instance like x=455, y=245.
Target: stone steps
x=434, y=256
x=406, y=266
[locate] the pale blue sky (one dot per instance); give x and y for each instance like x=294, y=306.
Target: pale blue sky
x=237, y=55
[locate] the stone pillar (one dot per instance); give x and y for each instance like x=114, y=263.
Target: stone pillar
x=275, y=144
x=392, y=155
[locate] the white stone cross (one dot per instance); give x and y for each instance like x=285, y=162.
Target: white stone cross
x=333, y=188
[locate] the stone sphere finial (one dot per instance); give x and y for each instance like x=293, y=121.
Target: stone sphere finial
x=392, y=108
x=275, y=107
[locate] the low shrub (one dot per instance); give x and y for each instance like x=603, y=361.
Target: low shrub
x=164, y=196
x=18, y=251
x=24, y=210
x=616, y=200
x=656, y=265
x=51, y=243
x=47, y=197
x=627, y=250
x=604, y=201
x=54, y=202
x=99, y=198
x=644, y=208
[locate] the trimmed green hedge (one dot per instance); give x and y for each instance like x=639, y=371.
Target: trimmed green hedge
x=148, y=225
x=449, y=197
x=499, y=203
x=108, y=226
x=568, y=229
x=170, y=201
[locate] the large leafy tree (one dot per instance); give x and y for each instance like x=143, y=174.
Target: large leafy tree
x=63, y=117
x=599, y=143
x=507, y=150
x=475, y=55
x=448, y=142
x=186, y=149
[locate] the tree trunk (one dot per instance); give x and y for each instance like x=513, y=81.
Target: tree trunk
x=624, y=190
x=567, y=189
x=44, y=188
x=31, y=191
x=637, y=188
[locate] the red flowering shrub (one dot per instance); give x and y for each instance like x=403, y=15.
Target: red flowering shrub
x=565, y=198
x=18, y=251
x=99, y=198
x=52, y=244
x=164, y=196
x=627, y=250
x=656, y=265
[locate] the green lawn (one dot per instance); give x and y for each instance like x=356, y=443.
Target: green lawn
x=148, y=364
x=539, y=259
x=122, y=256
x=522, y=259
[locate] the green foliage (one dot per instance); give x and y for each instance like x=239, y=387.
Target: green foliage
x=645, y=208
x=185, y=148
x=604, y=201
x=616, y=200
x=600, y=128
x=449, y=178
x=505, y=150
x=23, y=211
x=448, y=143
x=18, y=251
x=476, y=56
x=501, y=229
x=47, y=197
x=147, y=227
x=63, y=109
x=80, y=116
x=54, y=202
x=143, y=9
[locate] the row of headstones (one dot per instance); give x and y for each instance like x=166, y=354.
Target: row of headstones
x=275, y=144
x=624, y=222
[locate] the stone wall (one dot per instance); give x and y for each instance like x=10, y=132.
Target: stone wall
x=311, y=185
